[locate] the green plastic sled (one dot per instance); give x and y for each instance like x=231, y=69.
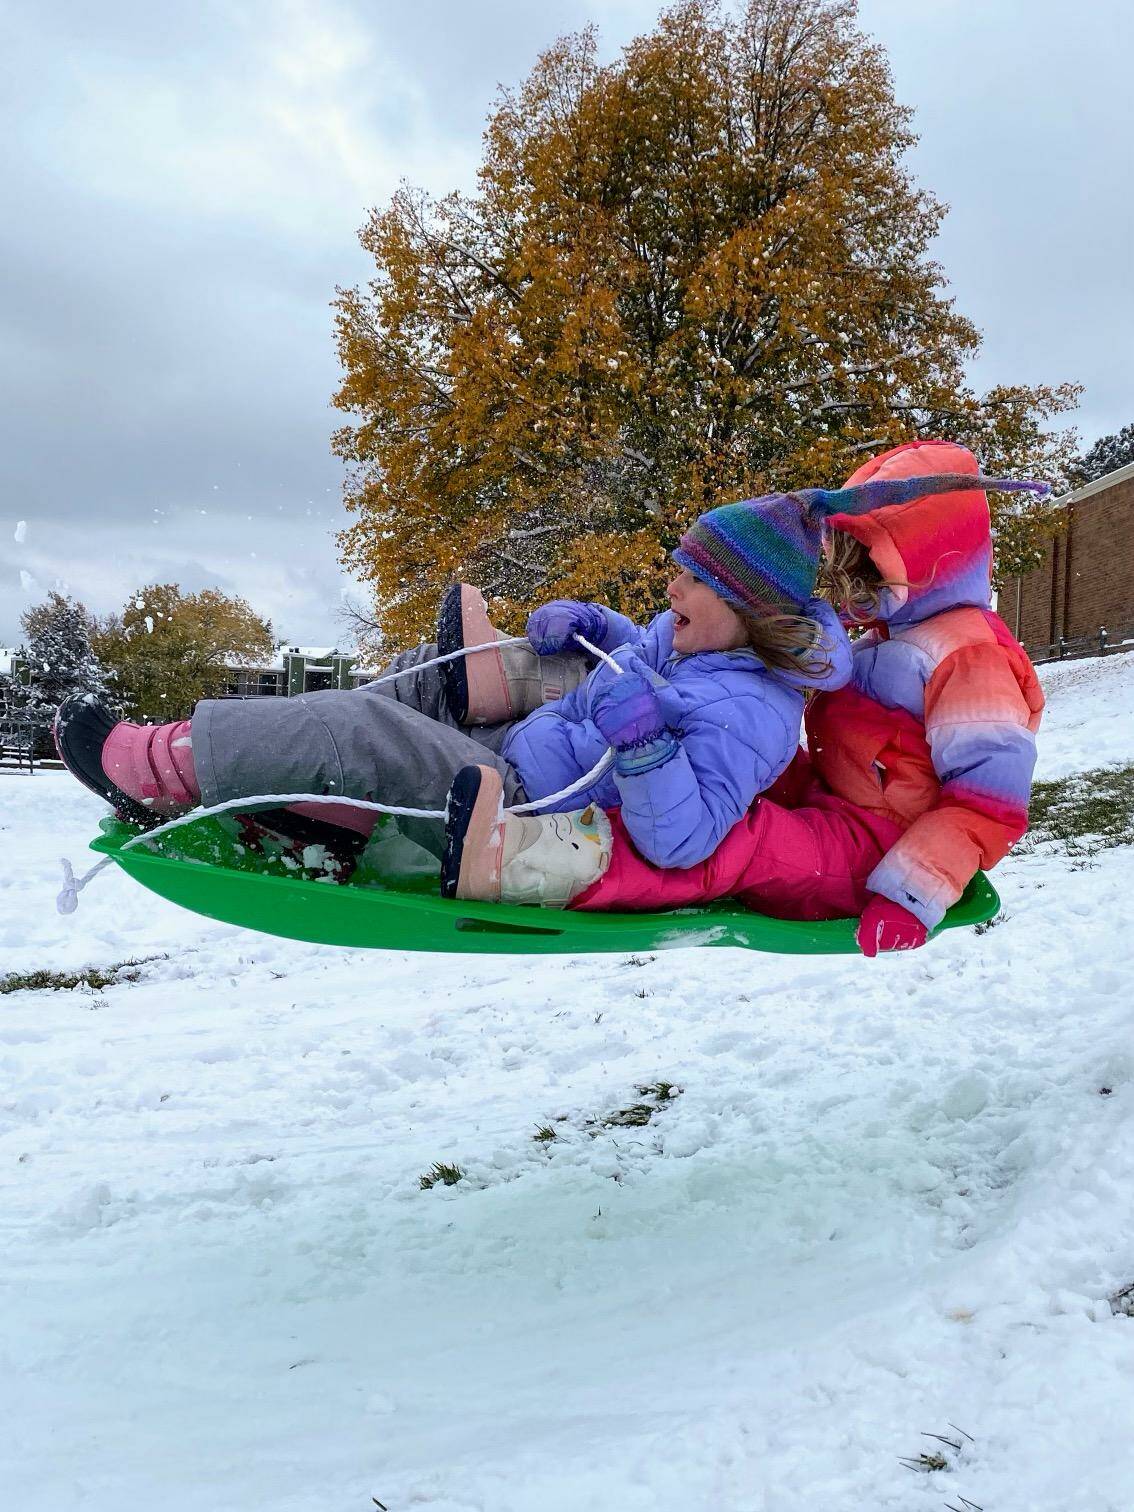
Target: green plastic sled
x=204, y=867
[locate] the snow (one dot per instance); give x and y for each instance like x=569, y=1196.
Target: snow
x=20, y=534
x=888, y=1196
x=1089, y=721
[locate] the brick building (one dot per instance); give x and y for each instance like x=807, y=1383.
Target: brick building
x=1081, y=598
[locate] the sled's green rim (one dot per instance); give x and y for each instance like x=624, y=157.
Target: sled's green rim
x=404, y=916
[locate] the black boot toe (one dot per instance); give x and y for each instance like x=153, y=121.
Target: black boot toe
x=450, y=639
x=82, y=724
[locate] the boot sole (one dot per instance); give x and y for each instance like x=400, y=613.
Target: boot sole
x=450, y=638
x=476, y=686
x=79, y=731
x=470, y=867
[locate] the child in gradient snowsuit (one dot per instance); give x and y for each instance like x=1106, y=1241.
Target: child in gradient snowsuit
x=917, y=772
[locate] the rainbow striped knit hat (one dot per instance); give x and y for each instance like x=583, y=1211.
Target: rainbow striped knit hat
x=762, y=555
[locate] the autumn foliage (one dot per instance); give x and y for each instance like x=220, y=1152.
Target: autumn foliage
x=168, y=649
x=694, y=274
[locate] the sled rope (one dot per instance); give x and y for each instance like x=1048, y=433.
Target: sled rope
x=507, y=640
x=68, y=898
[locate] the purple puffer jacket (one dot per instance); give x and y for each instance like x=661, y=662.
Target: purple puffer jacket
x=737, y=727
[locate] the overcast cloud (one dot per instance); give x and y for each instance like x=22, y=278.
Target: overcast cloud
x=182, y=188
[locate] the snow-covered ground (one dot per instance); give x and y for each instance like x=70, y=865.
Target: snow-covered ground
x=888, y=1197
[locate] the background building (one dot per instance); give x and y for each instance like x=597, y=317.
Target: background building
x=296, y=669
x=1080, y=600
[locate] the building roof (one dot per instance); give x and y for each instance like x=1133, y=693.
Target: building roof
x=1098, y=485
x=312, y=653
x=275, y=662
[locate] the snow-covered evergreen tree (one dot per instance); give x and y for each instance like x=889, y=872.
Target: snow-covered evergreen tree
x=59, y=655
x=1107, y=454
x=13, y=696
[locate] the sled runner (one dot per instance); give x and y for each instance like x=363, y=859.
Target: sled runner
x=205, y=866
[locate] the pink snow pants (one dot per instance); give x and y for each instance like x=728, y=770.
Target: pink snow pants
x=808, y=862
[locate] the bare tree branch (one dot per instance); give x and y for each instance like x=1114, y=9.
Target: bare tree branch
x=860, y=372
x=537, y=530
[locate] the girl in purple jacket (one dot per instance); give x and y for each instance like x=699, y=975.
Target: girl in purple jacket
x=702, y=709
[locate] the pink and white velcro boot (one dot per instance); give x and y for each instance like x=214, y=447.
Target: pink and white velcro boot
x=502, y=683
x=145, y=772
x=546, y=860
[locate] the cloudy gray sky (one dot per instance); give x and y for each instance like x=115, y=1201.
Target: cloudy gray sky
x=181, y=188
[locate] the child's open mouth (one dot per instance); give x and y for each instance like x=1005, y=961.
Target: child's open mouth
x=679, y=621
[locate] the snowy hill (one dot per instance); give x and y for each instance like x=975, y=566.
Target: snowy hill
x=880, y=1199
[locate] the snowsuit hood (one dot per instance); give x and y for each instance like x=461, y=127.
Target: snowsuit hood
x=936, y=550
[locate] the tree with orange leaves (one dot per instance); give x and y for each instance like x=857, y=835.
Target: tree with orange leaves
x=697, y=273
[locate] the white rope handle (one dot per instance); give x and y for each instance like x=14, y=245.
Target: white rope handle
x=602, y=655
x=68, y=899
x=508, y=640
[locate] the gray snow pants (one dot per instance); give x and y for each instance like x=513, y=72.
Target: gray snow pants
x=395, y=744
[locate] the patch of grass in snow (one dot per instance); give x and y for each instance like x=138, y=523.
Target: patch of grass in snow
x=988, y=924
x=637, y=1115
x=634, y=1116
x=943, y=1458
x=96, y=977
x=926, y=1463
x=1084, y=813
x=441, y=1171
x=662, y=1090
x=549, y=1135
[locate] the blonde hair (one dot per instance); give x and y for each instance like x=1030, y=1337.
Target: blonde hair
x=848, y=578
x=786, y=642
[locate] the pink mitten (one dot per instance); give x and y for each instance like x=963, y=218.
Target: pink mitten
x=886, y=925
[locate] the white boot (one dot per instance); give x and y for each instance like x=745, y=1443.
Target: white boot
x=490, y=687
x=545, y=860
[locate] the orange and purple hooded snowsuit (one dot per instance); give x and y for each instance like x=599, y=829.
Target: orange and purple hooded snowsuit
x=918, y=771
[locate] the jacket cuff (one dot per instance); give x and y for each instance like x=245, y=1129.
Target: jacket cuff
x=617, y=630
x=634, y=760
x=914, y=887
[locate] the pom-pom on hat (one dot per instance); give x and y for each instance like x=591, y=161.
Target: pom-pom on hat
x=762, y=555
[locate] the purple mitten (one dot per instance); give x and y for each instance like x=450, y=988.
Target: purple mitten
x=551, y=627
x=625, y=705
